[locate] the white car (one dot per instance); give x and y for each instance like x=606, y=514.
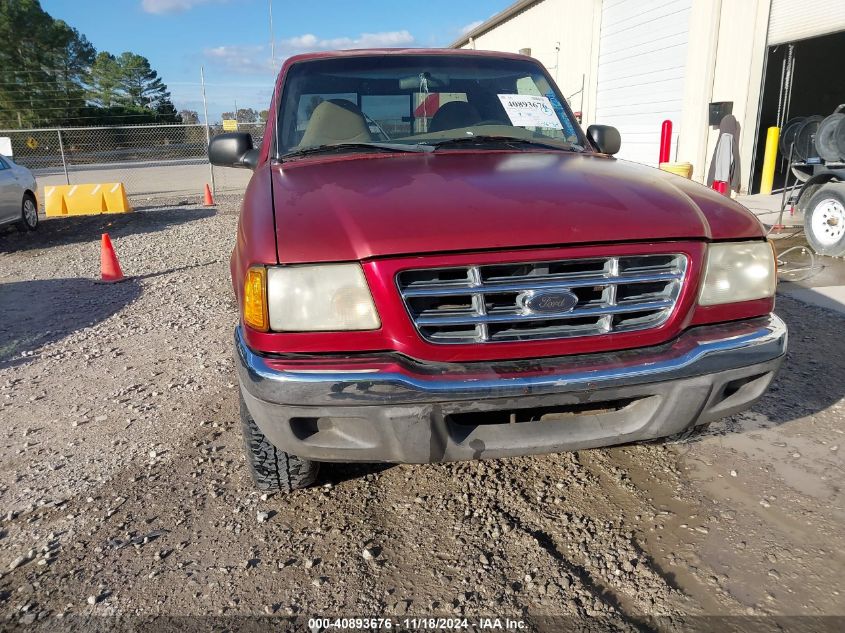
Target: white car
x=18, y=204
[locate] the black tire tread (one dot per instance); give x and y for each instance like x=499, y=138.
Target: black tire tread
x=271, y=468
x=21, y=224
x=826, y=145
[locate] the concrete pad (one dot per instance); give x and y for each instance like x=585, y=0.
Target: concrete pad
x=814, y=279
x=830, y=297
x=767, y=209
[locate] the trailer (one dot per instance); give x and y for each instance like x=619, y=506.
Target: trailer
x=815, y=147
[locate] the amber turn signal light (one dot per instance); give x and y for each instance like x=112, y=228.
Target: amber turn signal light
x=255, y=299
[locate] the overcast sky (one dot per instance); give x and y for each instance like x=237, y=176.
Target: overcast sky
x=231, y=38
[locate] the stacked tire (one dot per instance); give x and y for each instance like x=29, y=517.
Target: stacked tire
x=806, y=138
x=817, y=137
x=830, y=137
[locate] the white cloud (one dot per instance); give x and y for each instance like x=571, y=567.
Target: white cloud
x=309, y=42
x=242, y=59
x=160, y=7
x=472, y=25
x=256, y=59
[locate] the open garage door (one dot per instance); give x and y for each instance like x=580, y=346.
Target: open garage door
x=642, y=56
x=802, y=79
x=792, y=20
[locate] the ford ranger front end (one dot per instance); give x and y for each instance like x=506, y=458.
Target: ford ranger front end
x=435, y=263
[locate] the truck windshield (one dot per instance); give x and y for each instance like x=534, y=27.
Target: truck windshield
x=360, y=103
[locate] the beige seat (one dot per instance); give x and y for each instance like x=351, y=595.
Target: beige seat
x=336, y=121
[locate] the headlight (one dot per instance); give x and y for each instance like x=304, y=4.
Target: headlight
x=739, y=271
x=323, y=297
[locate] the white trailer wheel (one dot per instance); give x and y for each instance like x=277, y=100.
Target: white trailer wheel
x=824, y=220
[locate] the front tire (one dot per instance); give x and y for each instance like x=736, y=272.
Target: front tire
x=29, y=214
x=272, y=468
x=824, y=220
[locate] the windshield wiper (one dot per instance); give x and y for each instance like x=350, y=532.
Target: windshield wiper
x=342, y=147
x=489, y=139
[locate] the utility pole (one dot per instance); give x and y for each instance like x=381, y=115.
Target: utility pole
x=272, y=38
x=557, y=61
x=583, y=79
x=62, y=151
x=207, y=131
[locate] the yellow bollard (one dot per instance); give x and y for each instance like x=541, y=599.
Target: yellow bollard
x=769, y=157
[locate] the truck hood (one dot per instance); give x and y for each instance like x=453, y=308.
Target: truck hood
x=348, y=207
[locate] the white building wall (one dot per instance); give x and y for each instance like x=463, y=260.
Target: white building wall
x=739, y=72
x=543, y=27
x=724, y=58
x=641, y=72
x=726, y=54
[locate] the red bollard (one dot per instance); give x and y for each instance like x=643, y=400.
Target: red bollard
x=665, y=141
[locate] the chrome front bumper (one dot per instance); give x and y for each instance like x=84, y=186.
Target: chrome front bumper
x=385, y=407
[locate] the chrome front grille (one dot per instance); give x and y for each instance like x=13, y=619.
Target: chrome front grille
x=534, y=300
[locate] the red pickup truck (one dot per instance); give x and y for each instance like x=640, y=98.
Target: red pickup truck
x=434, y=262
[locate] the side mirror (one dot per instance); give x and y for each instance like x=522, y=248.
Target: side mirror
x=233, y=149
x=605, y=137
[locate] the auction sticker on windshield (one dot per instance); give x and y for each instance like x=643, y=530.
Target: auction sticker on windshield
x=530, y=111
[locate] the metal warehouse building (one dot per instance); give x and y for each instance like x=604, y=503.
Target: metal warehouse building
x=636, y=63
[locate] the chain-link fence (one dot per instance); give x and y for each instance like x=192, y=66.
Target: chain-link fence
x=152, y=161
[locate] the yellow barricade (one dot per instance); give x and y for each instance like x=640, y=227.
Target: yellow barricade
x=90, y=199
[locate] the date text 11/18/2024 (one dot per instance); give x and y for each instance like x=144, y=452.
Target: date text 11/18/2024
x=418, y=624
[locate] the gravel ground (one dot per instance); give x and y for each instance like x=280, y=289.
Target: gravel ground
x=124, y=490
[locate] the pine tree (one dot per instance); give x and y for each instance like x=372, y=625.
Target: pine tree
x=104, y=81
x=50, y=74
x=166, y=112
x=189, y=116
x=140, y=84
x=42, y=66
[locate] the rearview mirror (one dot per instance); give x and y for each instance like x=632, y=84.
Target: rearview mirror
x=433, y=83
x=605, y=137
x=233, y=149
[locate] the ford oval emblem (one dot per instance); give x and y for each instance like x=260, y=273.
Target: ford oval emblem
x=549, y=301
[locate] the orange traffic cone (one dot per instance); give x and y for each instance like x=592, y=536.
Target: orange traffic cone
x=109, y=266
x=209, y=201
